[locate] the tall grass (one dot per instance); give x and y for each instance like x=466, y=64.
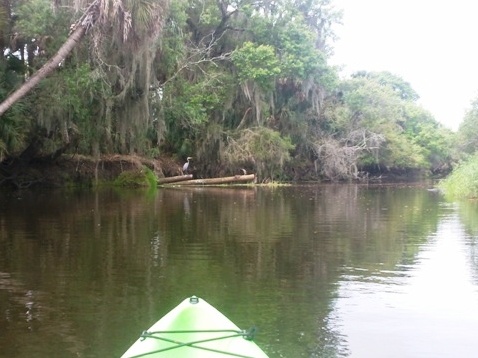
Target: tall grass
x=462, y=183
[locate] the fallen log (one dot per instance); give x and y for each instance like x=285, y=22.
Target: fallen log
x=175, y=179
x=222, y=180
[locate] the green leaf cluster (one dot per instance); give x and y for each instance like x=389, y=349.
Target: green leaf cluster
x=257, y=63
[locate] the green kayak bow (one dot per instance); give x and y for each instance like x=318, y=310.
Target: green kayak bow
x=196, y=329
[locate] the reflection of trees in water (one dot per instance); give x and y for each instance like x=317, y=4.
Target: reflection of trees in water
x=299, y=238
x=473, y=257
x=259, y=246
x=257, y=251
x=468, y=211
x=70, y=255
x=26, y=308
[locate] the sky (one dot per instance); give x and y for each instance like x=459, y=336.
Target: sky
x=432, y=44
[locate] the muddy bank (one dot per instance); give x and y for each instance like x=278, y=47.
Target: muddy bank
x=79, y=170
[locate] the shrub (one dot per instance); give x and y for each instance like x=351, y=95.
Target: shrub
x=463, y=181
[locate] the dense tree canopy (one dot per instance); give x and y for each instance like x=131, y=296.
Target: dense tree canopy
x=237, y=84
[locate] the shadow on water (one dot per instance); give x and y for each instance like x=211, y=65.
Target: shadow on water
x=90, y=270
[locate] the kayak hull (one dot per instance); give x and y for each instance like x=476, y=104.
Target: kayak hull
x=196, y=329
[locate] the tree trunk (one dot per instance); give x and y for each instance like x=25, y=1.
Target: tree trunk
x=174, y=179
x=47, y=68
x=224, y=180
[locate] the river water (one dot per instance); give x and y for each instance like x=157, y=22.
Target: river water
x=322, y=271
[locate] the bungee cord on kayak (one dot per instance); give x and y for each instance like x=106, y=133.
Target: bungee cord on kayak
x=246, y=334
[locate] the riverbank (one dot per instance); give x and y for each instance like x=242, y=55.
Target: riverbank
x=115, y=169
x=80, y=170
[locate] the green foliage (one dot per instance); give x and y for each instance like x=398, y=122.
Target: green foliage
x=15, y=124
x=371, y=103
x=467, y=133
x=397, y=84
x=188, y=107
x=298, y=56
x=173, y=43
x=257, y=63
x=35, y=17
x=463, y=181
x=67, y=101
x=136, y=178
x=383, y=104
x=255, y=70
x=436, y=142
x=263, y=148
x=399, y=153
x=40, y=27
x=13, y=132
x=14, y=71
x=150, y=177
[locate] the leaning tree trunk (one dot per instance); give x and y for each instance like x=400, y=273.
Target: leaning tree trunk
x=52, y=64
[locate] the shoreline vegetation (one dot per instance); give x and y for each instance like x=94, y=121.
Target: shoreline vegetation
x=462, y=183
x=131, y=171
x=240, y=86
x=85, y=171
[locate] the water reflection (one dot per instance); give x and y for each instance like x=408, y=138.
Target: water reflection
x=324, y=271
x=430, y=310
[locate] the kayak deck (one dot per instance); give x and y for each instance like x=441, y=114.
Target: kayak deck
x=196, y=329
